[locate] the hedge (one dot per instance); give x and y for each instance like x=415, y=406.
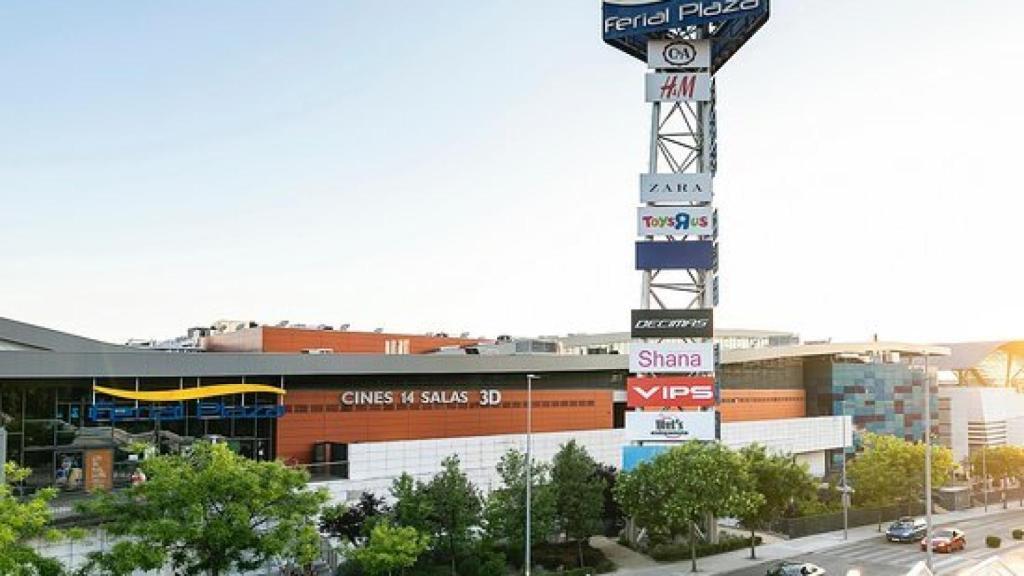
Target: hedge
x=681, y=551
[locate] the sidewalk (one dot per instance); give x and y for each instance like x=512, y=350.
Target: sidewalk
x=739, y=559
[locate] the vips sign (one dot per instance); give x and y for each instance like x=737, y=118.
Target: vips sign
x=671, y=392
x=671, y=426
x=678, y=87
x=672, y=357
x=693, y=323
x=679, y=53
x=675, y=221
x=691, y=187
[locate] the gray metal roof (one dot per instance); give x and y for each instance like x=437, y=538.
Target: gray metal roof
x=67, y=356
x=968, y=355
x=39, y=338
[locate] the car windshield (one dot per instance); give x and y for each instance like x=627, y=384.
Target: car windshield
x=943, y=534
x=903, y=525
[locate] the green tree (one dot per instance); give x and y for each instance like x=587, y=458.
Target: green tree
x=21, y=521
x=1001, y=462
x=454, y=508
x=506, y=506
x=579, y=494
x=684, y=485
x=779, y=480
x=890, y=471
x=352, y=522
x=411, y=506
x=390, y=548
x=209, y=512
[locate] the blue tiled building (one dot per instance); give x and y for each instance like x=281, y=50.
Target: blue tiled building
x=884, y=398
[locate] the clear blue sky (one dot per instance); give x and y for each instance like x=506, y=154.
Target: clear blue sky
x=472, y=166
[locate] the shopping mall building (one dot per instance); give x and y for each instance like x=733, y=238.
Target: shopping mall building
x=359, y=408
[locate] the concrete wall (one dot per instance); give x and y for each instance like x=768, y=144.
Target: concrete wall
x=373, y=465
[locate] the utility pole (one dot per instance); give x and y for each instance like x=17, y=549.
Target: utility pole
x=984, y=471
x=529, y=466
x=846, y=488
x=928, y=461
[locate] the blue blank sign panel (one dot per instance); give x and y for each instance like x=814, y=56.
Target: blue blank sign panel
x=632, y=456
x=698, y=255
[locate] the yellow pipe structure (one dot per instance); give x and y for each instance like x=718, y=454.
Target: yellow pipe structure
x=188, y=393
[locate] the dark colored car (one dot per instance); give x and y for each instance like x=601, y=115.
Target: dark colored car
x=906, y=529
x=947, y=540
x=795, y=569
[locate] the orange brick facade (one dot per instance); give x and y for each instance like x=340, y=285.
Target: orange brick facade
x=294, y=340
x=746, y=405
x=313, y=416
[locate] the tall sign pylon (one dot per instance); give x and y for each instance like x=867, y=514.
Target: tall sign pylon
x=672, y=357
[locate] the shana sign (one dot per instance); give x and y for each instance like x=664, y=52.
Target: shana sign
x=672, y=357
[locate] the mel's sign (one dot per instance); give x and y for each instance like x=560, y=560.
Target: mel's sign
x=671, y=426
x=675, y=221
x=620, y=18
x=678, y=53
x=671, y=392
x=689, y=323
x=689, y=187
x=672, y=357
x=678, y=87
x=486, y=397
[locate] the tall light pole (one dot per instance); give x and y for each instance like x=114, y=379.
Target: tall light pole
x=846, y=488
x=529, y=465
x=928, y=462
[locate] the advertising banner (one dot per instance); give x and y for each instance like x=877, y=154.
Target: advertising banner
x=633, y=456
x=672, y=357
x=692, y=187
x=675, y=221
x=699, y=255
x=679, y=54
x=99, y=469
x=621, y=18
x=671, y=392
x=689, y=323
x=671, y=426
x=678, y=87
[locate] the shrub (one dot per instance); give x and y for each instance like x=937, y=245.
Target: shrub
x=681, y=551
x=562, y=557
x=993, y=541
x=1018, y=534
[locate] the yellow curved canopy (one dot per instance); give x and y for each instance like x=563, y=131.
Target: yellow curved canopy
x=188, y=393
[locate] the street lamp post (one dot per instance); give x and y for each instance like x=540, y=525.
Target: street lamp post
x=928, y=461
x=529, y=466
x=846, y=488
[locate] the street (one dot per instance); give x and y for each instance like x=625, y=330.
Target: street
x=878, y=557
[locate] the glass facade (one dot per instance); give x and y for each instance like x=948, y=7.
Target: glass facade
x=54, y=426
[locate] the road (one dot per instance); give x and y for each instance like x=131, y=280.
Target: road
x=878, y=557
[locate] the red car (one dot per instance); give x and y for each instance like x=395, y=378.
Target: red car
x=947, y=540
